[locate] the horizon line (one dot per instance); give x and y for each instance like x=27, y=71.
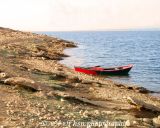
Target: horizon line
x=136, y=29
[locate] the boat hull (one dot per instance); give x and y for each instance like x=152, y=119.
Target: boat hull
x=97, y=70
x=119, y=72
x=86, y=71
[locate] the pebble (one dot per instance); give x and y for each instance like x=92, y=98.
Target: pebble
x=38, y=114
x=8, y=112
x=86, y=82
x=91, y=89
x=107, y=112
x=76, y=84
x=39, y=105
x=45, y=106
x=80, y=112
x=14, y=119
x=135, y=122
x=41, y=118
x=156, y=122
x=42, y=94
x=85, y=114
x=62, y=112
x=24, y=123
x=3, y=75
x=62, y=100
x=63, y=108
x=147, y=120
x=96, y=112
x=51, y=93
x=128, y=123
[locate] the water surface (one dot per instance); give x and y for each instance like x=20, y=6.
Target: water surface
x=114, y=48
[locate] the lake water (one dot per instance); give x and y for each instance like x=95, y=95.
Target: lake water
x=114, y=48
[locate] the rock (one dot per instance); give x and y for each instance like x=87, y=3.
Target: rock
x=3, y=75
x=8, y=112
x=68, y=96
x=141, y=104
x=42, y=94
x=43, y=58
x=24, y=82
x=76, y=85
x=39, y=54
x=24, y=123
x=135, y=122
x=96, y=112
x=51, y=93
x=156, y=122
x=62, y=100
x=19, y=81
x=91, y=89
x=14, y=119
x=108, y=112
x=58, y=76
x=70, y=44
x=74, y=79
x=119, y=85
x=128, y=123
x=85, y=114
x=97, y=85
x=27, y=83
x=147, y=120
x=141, y=90
x=86, y=82
x=130, y=88
x=2, y=126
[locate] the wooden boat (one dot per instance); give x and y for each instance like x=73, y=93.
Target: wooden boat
x=98, y=70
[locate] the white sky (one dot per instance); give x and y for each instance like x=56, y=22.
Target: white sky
x=62, y=15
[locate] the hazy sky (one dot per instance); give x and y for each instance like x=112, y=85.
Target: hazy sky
x=59, y=15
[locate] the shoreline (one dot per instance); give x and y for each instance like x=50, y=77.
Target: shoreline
x=151, y=92
x=34, y=85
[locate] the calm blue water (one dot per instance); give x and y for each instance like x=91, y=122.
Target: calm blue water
x=141, y=48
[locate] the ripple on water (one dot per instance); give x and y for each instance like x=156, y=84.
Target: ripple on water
x=140, y=48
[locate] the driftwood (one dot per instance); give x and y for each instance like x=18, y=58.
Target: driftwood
x=142, y=104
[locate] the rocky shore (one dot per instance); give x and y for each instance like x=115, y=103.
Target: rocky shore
x=37, y=91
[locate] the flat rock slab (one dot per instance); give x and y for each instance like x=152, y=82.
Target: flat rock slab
x=142, y=104
x=104, y=104
x=25, y=82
